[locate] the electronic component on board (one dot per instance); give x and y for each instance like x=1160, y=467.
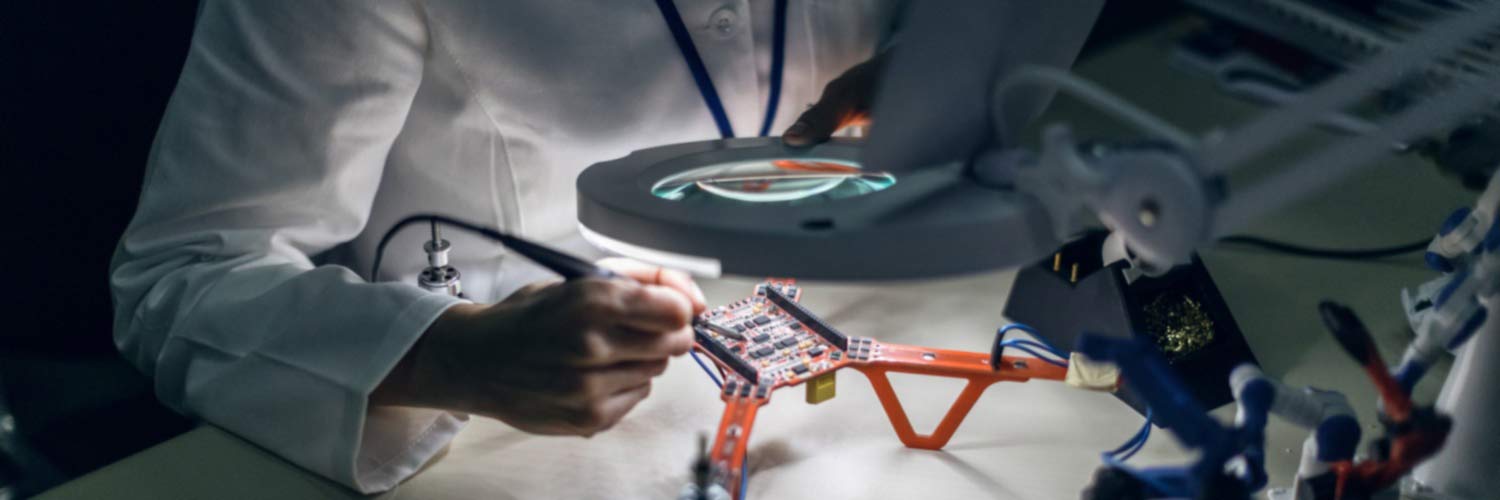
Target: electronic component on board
x=721, y=330
x=801, y=314
x=723, y=354
x=822, y=388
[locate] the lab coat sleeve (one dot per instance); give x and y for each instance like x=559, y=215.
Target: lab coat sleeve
x=270, y=152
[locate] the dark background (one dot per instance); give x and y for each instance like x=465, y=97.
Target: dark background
x=85, y=85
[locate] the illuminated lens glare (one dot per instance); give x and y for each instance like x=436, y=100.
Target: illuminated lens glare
x=780, y=180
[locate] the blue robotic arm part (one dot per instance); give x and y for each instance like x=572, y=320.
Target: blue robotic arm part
x=1175, y=409
x=1328, y=470
x=1149, y=374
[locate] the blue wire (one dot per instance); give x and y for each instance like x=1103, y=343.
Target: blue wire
x=1038, y=345
x=1034, y=334
x=1020, y=326
x=1155, y=479
x=1024, y=347
x=744, y=465
x=710, y=373
x=684, y=41
x=778, y=60
x=1136, y=442
x=1146, y=436
x=744, y=478
x=1042, y=357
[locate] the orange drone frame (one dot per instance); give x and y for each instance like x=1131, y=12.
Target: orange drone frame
x=739, y=338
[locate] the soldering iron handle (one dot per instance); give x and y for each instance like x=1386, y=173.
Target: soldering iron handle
x=567, y=266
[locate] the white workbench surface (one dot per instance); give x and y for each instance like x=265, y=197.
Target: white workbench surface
x=1038, y=440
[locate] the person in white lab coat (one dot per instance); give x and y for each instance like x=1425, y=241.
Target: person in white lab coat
x=300, y=131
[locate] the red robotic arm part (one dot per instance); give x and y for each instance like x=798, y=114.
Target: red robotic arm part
x=1414, y=433
x=768, y=342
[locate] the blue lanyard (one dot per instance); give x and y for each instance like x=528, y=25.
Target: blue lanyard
x=700, y=72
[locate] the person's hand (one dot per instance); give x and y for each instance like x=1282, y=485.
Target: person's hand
x=568, y=358
x=845, y=101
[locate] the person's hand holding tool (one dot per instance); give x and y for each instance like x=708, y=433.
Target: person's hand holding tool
x=845, y=101
x=566, y=358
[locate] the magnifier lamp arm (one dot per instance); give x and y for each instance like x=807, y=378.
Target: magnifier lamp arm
x=1166, y=200
x=1149, y=195
x=1164, y=205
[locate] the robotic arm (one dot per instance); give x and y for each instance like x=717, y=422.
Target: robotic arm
x=1328, y=470
x=1172, y=407
x=1446, y=311
x=1328, y=414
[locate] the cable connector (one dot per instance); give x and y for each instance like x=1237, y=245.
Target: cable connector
x=439, y=276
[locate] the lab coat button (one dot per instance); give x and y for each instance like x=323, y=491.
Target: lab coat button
x=724, y=22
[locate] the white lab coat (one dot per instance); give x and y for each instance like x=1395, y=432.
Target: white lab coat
x=300, y=131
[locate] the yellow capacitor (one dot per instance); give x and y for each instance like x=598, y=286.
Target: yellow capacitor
x=822, y=388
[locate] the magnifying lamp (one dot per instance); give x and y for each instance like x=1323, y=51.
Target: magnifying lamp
x=757, y=207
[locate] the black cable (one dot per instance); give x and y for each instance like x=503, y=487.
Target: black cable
x=565, y=265
x=434, y=220
x=1329, y=253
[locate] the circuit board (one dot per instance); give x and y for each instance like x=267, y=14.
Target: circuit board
x=768, y=340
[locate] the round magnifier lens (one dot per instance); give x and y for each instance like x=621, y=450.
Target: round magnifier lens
x=775, y=180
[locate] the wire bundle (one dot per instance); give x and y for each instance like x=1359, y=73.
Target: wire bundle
x=1119, y=455
x=1165, y=481
x=706, y=370
x=1036, y=348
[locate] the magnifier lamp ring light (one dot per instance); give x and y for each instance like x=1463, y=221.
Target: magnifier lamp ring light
x=757, y=207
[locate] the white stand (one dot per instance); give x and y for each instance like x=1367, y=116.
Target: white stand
x=1468, y=466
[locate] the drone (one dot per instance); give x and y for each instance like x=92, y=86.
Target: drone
x=769, y=341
